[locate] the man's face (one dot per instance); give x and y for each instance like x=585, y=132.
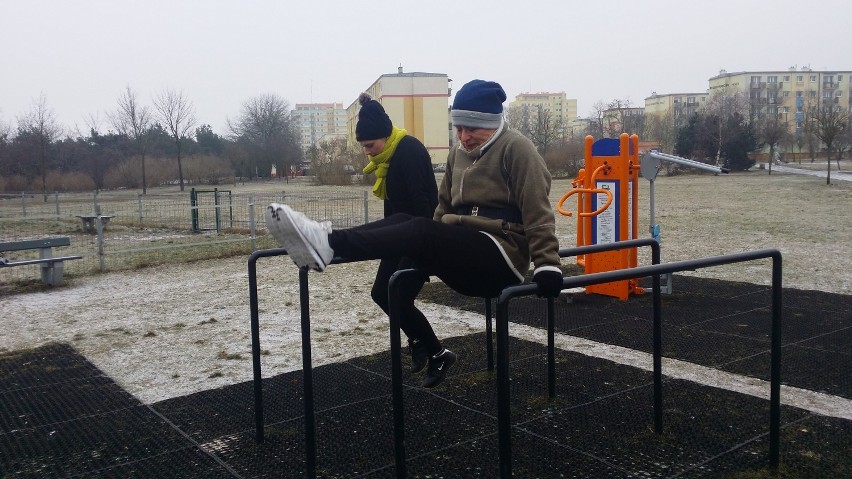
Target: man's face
x=373, y=147
x=473, y=138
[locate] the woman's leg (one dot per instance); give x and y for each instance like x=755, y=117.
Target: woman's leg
x=467, y=260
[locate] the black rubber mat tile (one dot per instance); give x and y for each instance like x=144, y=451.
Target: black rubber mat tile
x=48, y=364
x=807, y=368
x=88, y=444
x=35, y=406
x=181, y=464
x=233, y=410
x=699, y=423
x=837, y=343
x=810, y=447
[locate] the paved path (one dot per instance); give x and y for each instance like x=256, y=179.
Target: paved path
x=835, y=175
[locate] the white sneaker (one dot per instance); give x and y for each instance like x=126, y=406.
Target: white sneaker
x=306, y=240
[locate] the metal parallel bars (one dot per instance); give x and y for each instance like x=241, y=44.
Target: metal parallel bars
x=503, y=406
x=504, y=426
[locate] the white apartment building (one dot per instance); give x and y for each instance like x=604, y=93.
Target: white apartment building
x=319, y=121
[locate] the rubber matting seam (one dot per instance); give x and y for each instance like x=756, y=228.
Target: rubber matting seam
x=192, y=441
x=72, y=419
x=128, y=463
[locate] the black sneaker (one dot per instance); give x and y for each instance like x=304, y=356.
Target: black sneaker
x=439, y=364
x=419, y=355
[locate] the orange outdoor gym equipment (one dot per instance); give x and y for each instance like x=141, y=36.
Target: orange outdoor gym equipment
x=608, y=205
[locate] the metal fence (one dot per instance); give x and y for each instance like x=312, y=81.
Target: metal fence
x=128, y=230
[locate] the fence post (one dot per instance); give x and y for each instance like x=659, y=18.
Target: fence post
x=24, y=203
x=366, y=208
x=217, y=210
x=96, y=209
x=252, y=225
x=99, y=225
x=139, y=206
x=56, y=197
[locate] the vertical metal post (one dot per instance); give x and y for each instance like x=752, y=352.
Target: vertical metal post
x=396, y=371
x=308, y=378
x=56, y=199
x=99, y=225
x=139, y=206
x=489, y=341
x=504, y=416
x=217, y=209
x=658, y=350
x=366, y=208
x=193, y=209
x=255, y=349
x=252, y=230
x=775, y=367
x=551, y=349
x=23, y=204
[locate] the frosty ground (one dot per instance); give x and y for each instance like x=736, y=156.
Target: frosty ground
x=171, y=330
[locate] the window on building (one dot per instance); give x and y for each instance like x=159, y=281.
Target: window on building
x=772, y=79
x=755, y=79
x=798, y=94
x=827, y=94
x=786, y=94
x=813, y=78
x=829, y=79
x=800, y=78
x=786, y=77
x=839, y=78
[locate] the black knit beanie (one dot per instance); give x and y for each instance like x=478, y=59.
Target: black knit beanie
x=373, y=122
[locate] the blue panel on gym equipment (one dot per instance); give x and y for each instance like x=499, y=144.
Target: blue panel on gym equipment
x=606, y=147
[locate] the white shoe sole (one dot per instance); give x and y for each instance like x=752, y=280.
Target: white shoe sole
x=280, y=223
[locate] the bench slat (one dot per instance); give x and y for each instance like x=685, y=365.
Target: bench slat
x=35, y=244
x=38, y=261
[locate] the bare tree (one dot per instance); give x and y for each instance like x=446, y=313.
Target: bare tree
x=829, y=123
x=178, y=117
x=597, y=118
x=41, y=127
x=772, y=132
x=662, y=129
x=725, y=104
x=134, y=120
x=266, y=127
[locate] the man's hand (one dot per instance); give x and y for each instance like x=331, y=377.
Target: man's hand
x=549, y=283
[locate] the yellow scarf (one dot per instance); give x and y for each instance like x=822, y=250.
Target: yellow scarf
x=380, y=162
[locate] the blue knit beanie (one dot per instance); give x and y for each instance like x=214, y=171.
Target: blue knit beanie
x=479, y=104
x=373, y=122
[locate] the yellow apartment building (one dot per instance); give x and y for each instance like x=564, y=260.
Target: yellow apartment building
x=417, y=102
x=676, y=107
x=562, y=109
x=788, y=94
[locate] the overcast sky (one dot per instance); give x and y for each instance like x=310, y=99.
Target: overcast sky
x=81, y=54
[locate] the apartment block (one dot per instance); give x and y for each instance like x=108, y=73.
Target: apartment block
x=318, y=122
x=787, y=94
x=562, y=109
x=417, y=102
x=675, y=108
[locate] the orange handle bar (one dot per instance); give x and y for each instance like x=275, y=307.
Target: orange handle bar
x=585, y=190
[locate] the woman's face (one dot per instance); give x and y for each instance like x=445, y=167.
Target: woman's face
x=373, y=147
x=473, y=138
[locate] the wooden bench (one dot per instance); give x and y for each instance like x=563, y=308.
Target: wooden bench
x=51, y=266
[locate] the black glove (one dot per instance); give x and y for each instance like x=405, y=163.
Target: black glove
x=549, y=283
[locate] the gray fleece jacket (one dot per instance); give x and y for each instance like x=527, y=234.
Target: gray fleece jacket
x=505, y=173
